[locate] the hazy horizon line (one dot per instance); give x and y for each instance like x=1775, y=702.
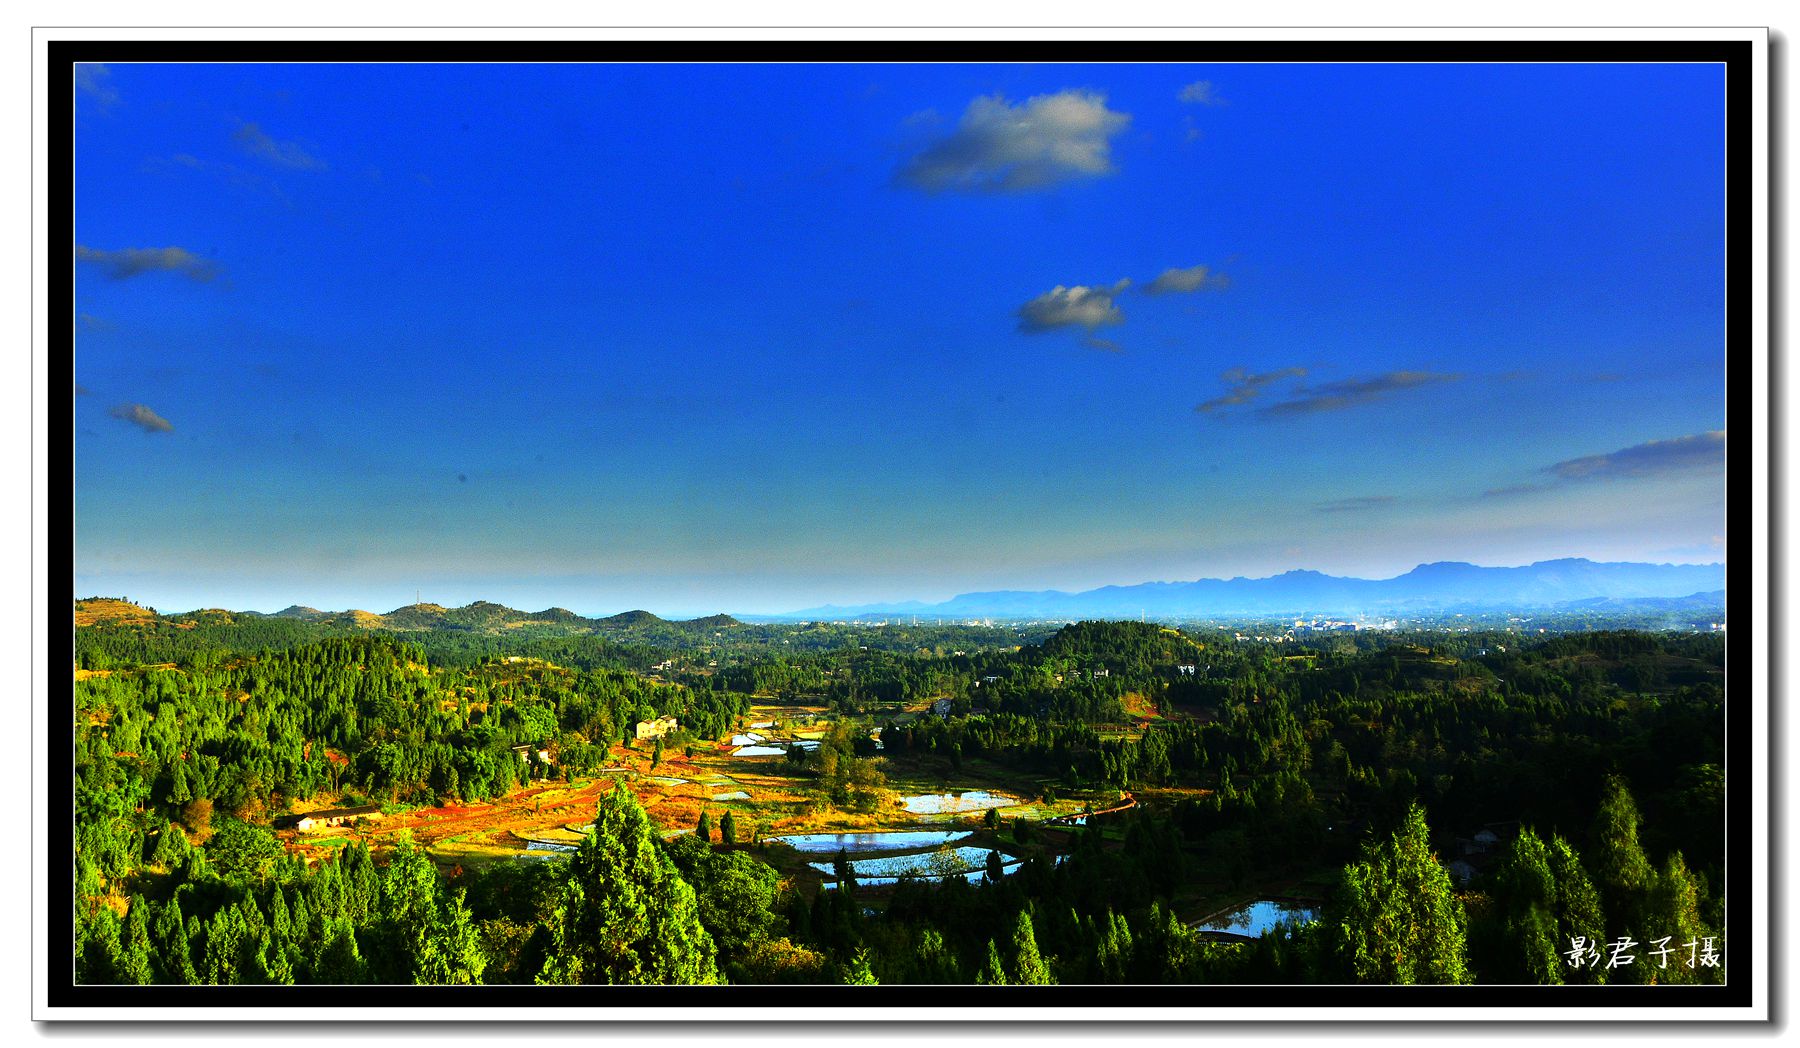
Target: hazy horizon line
x=690, y=611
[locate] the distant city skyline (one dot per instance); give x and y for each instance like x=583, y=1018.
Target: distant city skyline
x=754, y=338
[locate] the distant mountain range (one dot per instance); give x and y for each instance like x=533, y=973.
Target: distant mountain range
x=1446, y=585
x=486, y=617
x=479, y=617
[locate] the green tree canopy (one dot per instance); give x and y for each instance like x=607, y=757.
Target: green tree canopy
x=625, y=913
x=1398, y=920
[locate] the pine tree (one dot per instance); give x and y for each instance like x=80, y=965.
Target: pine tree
x=728, y=828
x=625, y=914
x=423, y=934
x=340, y=959
x=1624, y=875
x=134, y=946
x=858, y=972
x=1525, y=891
x=1398, y=919
x=1674, y=911
x=1578, y=913
x=174, y=955
x=1028, y=968
x=992, y=972
x=704, y=829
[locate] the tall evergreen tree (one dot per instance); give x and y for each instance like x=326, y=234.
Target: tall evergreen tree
x=1621, y=870
x=1398, y=919
x=134, y=946
x=1673, y=912
x=174, y=956
x=1578, y=913
x=1028, y=967
x=1525, y=892
x=625, y=914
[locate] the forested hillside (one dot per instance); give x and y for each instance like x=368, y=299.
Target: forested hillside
x=1351, y=770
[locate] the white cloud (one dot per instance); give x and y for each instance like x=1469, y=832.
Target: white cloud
x=1200, y=93
x=998, y=147
x=1078, y=306
x=1184, y=281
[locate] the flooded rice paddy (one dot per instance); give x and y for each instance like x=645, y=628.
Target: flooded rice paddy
x=941, y=863
x=866, y=842
x=957, y=802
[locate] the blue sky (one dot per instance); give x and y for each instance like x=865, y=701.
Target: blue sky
x=753, y=338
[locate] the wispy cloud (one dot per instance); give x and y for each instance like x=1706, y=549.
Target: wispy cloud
x=1695, y=453
x=1512, y=489
x=998, y=147
x=1187, y=281
x=1698, y=451
x=1078, y=306
x=1200, y=93
x=257, y=142
x=136, y=261
x=95, y=81
x=81, y=390
x=1104, y=345
x=1355, y=504
x=1336, y=396
x=1243, y=387
x=142, y=417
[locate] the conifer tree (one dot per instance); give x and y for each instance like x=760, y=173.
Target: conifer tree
x=625, y=914
x=1028, y=968
x=174, y=955
x=992, y=972
x=1622, y=872
x=1578, y=913
x=134, y=946
x=1525, y=891
x=1398, y=919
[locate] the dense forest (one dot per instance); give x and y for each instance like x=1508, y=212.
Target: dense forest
x=1597, y=755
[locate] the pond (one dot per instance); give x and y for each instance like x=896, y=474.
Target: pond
x=734, y=795
x=758, y=751
x=865, y=842
x=923, y=864
x=951, y=803
x=749, y=739
x=1252, y=919
x=664, y=780
x=973, y=877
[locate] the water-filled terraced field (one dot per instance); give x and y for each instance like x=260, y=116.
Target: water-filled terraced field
x=939, y=863
x=863, y=843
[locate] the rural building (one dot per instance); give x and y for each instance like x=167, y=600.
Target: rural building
x=327, y=817
x=656, y=729
x=1187, y=670
x=941, y=708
